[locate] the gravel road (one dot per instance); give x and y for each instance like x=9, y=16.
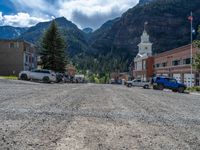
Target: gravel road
x=36, y=116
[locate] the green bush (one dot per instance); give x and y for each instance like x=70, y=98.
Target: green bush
x=96, y=80
x=194, y=89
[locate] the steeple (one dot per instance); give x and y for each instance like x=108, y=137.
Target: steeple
x=145, y=46
x=145, y=36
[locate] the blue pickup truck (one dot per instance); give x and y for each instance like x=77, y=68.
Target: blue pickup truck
x=162, y=82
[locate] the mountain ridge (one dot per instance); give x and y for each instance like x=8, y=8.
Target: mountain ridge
x=10, y=32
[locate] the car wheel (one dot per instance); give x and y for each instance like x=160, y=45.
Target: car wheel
x=155, y=87
x=24, y=77
x=181, y=90
x=174, y=91
x=46, y=80
x=129, y=85
x=160, y=87
x=146, y=87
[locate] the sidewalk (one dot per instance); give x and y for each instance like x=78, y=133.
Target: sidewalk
x=195, y=93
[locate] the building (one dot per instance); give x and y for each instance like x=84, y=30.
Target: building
x=15, y=56
x=120, y=76
x=143, y=62
x=176, y=63
x=70, y=70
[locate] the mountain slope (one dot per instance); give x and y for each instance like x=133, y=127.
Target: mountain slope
x=101, y=32
x=74, y=37
x=9, y=32
x=168, y=27
x=87, y=30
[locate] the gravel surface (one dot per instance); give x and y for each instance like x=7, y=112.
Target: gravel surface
x=96, y=117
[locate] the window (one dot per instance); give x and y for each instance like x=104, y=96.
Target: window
x=30, y=59
x=176, y=62
x=45, y=71
x=27, y=58
x=38, y=71
x=164, y=64
x=138, y=81
x=144, y=64
x=187, y=61
x=173, y=80
x=157, y=65
x=14, y=45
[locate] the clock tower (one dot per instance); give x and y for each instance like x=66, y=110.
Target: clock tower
x=145, y=46
x=143, y=62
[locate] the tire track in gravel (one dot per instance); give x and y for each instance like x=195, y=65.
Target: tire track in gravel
x=174, y=127
x=34, y=116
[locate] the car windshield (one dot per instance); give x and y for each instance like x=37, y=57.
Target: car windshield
x=173, y=80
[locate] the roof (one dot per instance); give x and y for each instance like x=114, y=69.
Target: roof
x=16, y=40
x=175, y=50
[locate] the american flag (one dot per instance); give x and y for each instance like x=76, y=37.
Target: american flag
x=190, y=18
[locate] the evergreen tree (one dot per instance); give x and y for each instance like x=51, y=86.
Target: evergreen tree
x=53, y=54
x=197, y=58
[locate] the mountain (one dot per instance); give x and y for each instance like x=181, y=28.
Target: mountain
x=74, y=37
x=142, y=2
x=168, y=27
x=113, y=46
x=87, y=30
x=9, y=32
x=102, y=31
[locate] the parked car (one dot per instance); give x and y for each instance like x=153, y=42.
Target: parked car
x=79, y=78
x=162, y=82
x=60, y=77
x=46, y=76
x=68, y=79
x=138, y=83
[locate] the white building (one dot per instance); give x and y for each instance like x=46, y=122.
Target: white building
x=144, y=59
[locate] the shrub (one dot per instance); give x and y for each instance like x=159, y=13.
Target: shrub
x=194, y=89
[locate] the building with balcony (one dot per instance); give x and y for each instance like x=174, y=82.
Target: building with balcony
x=15, y=56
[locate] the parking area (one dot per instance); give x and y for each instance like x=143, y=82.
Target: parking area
x=96, y=117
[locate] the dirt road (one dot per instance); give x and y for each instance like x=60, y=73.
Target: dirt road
x=96, y=117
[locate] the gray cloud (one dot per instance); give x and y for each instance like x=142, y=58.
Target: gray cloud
x=95, y=20
x=84, y=13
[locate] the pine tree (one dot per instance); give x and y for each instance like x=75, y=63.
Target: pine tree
x=53, y=47
x=197, y=58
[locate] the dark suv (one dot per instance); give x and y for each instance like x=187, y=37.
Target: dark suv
x=162, y=82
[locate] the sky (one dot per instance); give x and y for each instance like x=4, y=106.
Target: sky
x=84, y=13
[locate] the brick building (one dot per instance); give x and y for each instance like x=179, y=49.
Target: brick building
x=176, y=63
x=15, y=56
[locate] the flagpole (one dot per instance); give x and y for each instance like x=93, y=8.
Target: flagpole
x=191, y=60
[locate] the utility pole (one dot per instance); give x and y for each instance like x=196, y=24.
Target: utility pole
x=191, y=52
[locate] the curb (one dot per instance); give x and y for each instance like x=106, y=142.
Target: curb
x=198, y=94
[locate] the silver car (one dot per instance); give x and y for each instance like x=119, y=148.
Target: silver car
x=138, y=83
x=46, y=76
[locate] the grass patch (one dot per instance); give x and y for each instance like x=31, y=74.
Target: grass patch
x=9, y=77
x=194, y=89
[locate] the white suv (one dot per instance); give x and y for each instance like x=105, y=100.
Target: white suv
x=138, y=83
x=46, y=76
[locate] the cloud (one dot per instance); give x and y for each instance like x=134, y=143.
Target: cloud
x=84, y=13
x=20, y=20
x=95, y=20
x=1, y=16
x=93, y=12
